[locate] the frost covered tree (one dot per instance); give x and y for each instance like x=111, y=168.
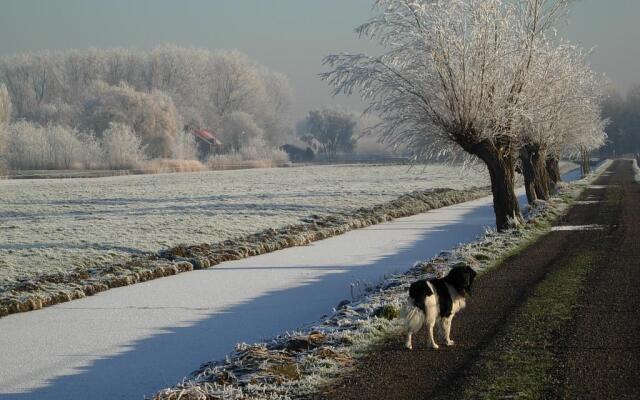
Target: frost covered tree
x=331, y=131
x=236, y=83
x=152, y=116
x=90, y=155
x=205, y=86
x=583, y=128
x=450, y=79
x=122, y=148
x=239, y=131
x=5, y=118
x=566, y=95
x=185, y=147
x=276, y=116
x=5, y=106
x=586, y=133
x=624, y=115
x=31, y=146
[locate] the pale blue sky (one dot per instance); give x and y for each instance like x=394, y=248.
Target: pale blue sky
x=290, y=36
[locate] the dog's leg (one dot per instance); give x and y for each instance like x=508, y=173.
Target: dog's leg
x=407, y=344
x=440, y=326
x=446, y=324
x=431, y=322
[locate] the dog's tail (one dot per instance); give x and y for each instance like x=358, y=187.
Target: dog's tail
x=413, y=316
x=414, y=311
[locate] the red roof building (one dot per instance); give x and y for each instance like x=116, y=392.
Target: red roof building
x=208, y=142
x=207, y=136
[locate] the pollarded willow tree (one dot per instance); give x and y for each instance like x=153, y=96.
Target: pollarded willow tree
x=588, y=131
x=450, y=79
x=585, y=134
x=562, y=109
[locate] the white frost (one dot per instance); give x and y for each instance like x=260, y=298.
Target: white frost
x=59, y=224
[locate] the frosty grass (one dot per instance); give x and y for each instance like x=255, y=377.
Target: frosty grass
x=57, y=225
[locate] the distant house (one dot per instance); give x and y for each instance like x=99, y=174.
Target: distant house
x=208, y=142
x=297, y=154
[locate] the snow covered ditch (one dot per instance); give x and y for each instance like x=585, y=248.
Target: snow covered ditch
x=59, y=225
x=296, y=364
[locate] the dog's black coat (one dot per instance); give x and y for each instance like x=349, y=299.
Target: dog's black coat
x=460, y=278
x=419, y=291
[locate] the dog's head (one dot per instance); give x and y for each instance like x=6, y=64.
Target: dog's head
x=461, y=278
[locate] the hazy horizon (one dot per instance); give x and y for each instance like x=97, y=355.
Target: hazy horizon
x=289, y=36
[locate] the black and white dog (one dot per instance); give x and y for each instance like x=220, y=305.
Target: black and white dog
x=436, y=300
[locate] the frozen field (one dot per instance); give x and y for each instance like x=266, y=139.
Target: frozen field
x=59, y=224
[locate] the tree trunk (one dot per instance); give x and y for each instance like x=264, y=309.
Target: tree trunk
x=529, y=175
x=553, y=171
x=542, y=182
x=536, y=179
x=586, y=167
x=501, y=166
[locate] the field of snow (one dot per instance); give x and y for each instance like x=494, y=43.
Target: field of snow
x=58, y=224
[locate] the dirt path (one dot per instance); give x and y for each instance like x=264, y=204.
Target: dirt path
x=603, y=349
x=603, y=355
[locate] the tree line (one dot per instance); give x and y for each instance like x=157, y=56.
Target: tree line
x=156, y=93
x=488, y=80
x=623, y=130
x=63, y=102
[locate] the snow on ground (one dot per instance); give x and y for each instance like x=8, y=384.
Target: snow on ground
x=59, y=224
x=637, y=169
